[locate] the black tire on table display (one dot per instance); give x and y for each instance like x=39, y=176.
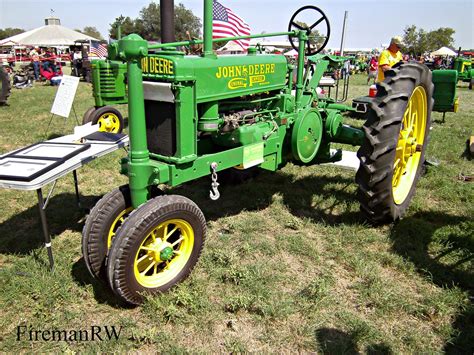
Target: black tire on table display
x=100, y=228
x=157, y=246
x=392, y=154
x=5, y=88
x=86, y=118
x=108, y=118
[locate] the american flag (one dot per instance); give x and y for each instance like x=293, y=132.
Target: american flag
x=98, y=49
x=227, y=24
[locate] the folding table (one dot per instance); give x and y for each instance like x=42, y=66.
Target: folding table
x=33, y=167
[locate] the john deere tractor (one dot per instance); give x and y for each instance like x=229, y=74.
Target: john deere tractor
x=465, y=69
x=196, y=116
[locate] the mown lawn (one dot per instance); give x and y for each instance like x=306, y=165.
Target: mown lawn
x=289, y=264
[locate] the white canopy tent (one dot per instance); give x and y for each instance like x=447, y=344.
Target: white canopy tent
x=444, y=51
x=292, y=53
x=231, y=48
x=50, y=35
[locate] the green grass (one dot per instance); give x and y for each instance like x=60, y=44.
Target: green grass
x=289, y=264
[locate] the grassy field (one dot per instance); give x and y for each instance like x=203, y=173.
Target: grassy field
x=289, y=264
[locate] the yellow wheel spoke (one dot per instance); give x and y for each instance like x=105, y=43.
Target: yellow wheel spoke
x=143, y=258
x=179, y=240
x=153, y=235
x=167, y=235
x=149, y=267
x=406, y=160
x=146, y=248
x=396, y=163
x=165, y=232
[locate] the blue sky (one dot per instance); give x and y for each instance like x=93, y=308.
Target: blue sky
x=370, y=22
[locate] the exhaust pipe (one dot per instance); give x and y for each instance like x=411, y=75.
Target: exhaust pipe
x=167, y=21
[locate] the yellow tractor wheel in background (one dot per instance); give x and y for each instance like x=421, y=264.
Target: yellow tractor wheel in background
x=108, y=118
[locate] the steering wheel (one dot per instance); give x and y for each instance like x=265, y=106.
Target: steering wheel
x=321, y=26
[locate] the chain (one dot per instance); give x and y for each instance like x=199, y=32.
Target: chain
x=214, y=193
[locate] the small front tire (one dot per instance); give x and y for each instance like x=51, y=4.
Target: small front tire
x=157, y=247
x=101, y=226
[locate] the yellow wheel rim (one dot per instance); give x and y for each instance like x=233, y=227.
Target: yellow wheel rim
x=410, y=145
x=163, y=253
x=109, y=122
x=116, y=224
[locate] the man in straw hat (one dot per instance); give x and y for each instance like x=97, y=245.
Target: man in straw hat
x=389, y=57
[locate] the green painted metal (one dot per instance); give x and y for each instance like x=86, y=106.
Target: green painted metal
x=228, y=110
x=108, y=81
x=166, y=253
x=208, y=52
x=132, y=48
x=307, y=135
x=464, y=68
x=221, y=77
x=444, y=94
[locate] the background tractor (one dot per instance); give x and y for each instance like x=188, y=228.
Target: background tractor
x=465, y=70
x=196, y=116
x=444, y=95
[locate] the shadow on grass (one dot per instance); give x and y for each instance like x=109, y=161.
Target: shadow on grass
x=452, y=265
x=22, y=233
x=102, y=291
x=335, y=341
x=297, y=195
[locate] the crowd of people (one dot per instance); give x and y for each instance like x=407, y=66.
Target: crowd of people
x=44, y=59
x=376, y=65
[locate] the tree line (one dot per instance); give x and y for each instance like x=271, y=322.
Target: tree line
x=148, y=24
x=419, y=41
x=187, y=25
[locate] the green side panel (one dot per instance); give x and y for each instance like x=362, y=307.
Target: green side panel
x=186, y=121
x=270, y=158
x=444, y=90
x=109, y=82
x=219, y=77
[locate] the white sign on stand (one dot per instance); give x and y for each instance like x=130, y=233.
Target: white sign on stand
x=65, y=96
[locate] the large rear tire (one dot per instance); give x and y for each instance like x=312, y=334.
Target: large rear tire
x=392, y=155
x=5, y=88
x=157, y=246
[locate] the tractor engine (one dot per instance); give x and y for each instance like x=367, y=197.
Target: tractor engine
x=191, y=100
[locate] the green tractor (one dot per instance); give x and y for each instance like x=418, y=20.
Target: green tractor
x=196, y=116
x=444, y=95
x=109, y=88
x=465, y=70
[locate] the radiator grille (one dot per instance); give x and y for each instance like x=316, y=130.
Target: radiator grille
x=161, y=127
